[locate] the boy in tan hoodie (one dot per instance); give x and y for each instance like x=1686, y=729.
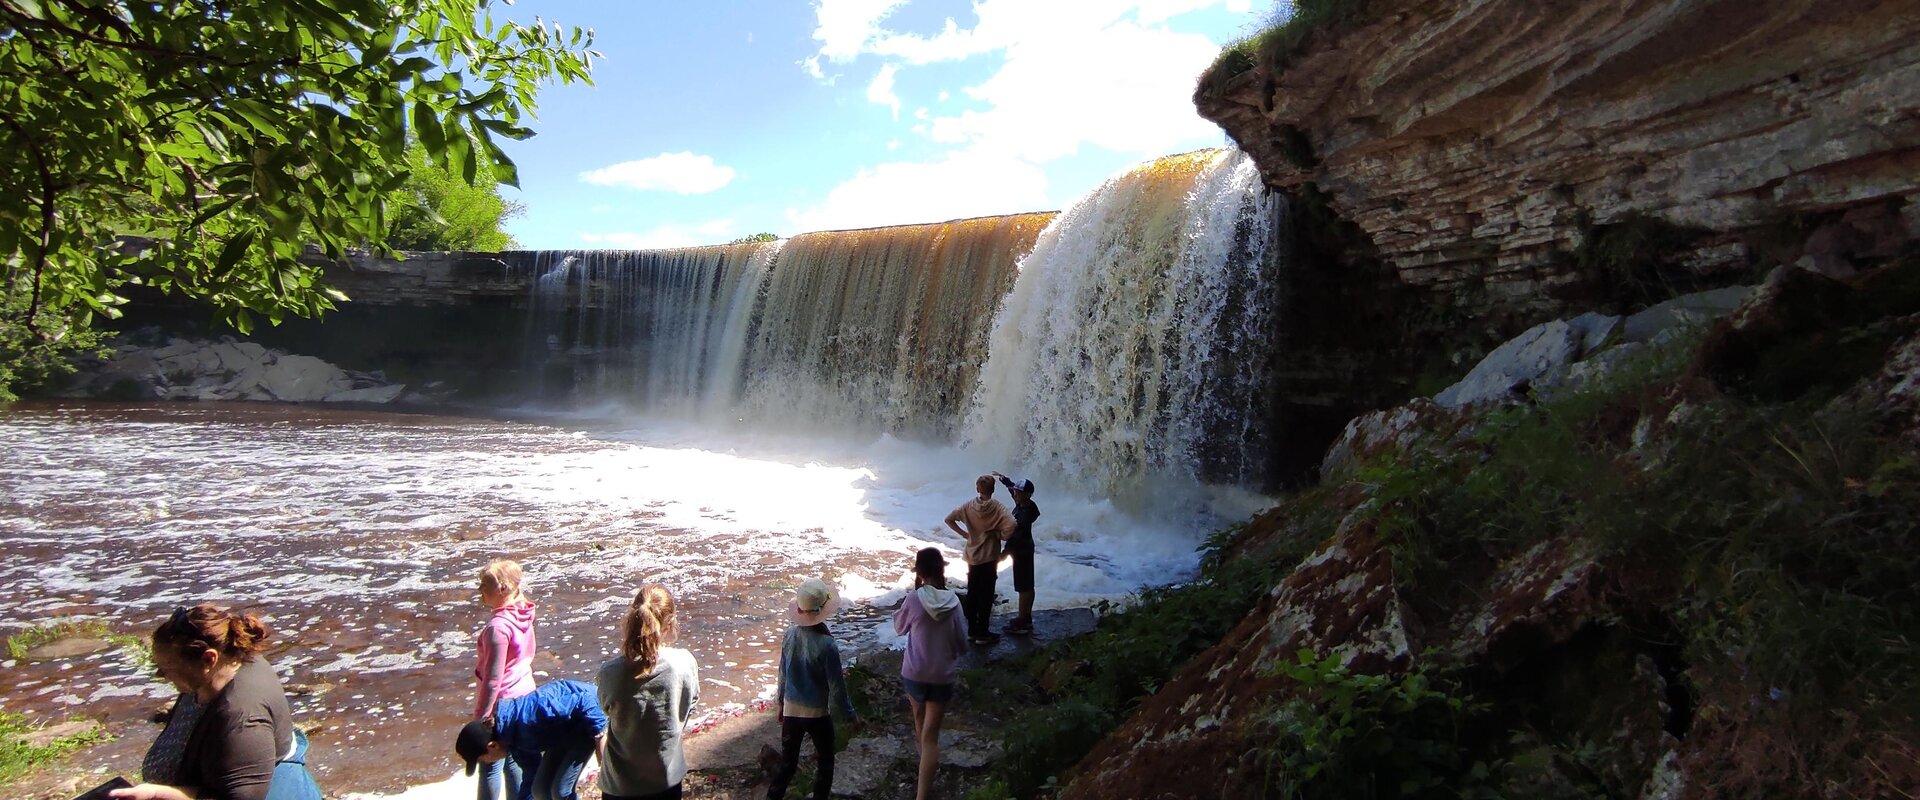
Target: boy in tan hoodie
x=987, y=525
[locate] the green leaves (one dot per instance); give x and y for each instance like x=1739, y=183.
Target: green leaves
x=237, y=136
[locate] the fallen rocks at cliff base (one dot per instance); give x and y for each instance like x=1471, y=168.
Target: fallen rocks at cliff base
x=1623, y=587
x=144, y=366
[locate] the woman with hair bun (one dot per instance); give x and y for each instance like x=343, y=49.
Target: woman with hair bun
x=647, y=692
x=242, y=744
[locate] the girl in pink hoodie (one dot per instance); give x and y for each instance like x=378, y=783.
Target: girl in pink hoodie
x=506, y=660
x=936, y=632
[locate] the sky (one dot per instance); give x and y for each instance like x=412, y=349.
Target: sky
x=709, y=121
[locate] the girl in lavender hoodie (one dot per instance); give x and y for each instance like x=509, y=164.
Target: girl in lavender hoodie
x=936, y=632
x=506, y=661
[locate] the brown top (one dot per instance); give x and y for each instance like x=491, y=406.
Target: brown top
x=987, y=524
x=240, y=737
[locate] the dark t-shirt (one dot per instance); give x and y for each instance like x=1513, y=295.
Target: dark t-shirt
x=241, y=735
x=1023, y=516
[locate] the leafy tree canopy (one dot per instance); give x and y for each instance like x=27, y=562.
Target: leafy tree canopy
x=234, y=134
x=758, y=237
x=437, y=210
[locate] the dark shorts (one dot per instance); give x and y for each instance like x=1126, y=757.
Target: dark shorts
x=928, y=692
x=1022, y=571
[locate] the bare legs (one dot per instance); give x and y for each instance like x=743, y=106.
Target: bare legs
x=926, y=730
x=1026, y=609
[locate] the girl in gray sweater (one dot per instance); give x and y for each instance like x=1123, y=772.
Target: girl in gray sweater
x=647, y=692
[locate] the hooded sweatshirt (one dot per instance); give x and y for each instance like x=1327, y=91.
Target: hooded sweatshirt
x=560, y=714
x=506, y=657
x=935, y=633
x=988, y=524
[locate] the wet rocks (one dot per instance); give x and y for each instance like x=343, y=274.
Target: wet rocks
x=192, y=369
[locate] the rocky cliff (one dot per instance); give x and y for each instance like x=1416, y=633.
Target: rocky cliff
x=1634, y=552
x=1510, y=160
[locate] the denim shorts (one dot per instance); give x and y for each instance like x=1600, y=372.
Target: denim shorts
x=928, y=692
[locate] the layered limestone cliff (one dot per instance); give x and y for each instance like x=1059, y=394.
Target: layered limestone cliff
x=1514, y=159
x=1579, y=568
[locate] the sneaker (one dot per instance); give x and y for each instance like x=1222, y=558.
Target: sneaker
x=985, y=638
x=1020, y=626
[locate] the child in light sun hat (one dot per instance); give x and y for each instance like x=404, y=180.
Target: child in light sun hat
x=812, y=687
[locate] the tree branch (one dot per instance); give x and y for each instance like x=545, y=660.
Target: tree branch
x=49, y=195
x=20, y=20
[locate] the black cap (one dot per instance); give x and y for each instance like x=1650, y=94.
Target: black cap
x=1026, y=488
x=473, y=741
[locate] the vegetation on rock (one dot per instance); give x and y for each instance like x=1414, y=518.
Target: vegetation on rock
x=756, y=238
x=234, y=136
x=22, y=751
x=1675, y=575
x=1272, y=45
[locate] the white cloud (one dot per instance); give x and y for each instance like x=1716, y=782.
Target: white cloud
x=845, y=26
x=681, y=173
x=665, y=236
x=1070, y=73
x=811, y=64
x=964, y=184
x=881, y=89
x=1065, y=75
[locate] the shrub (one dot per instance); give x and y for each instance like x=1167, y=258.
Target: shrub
x=1344, y=735
x=1272, y=46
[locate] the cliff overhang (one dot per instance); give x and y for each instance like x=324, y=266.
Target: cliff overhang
x=1485, y=149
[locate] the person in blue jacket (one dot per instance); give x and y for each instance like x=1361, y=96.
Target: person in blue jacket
x=550, y=733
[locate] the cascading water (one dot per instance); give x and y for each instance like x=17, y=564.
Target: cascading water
x=657, y=328
x=875, y=329
x=883, y=328
x=1133, y=346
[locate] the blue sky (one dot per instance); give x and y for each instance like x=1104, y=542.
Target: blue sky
x=714, y=120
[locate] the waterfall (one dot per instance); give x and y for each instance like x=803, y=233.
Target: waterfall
x=883, y=328
x=862, y=330
x=1132, y=346
x=648, y=328
x=1132, y=349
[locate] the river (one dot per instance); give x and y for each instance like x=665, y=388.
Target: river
x=357, y=534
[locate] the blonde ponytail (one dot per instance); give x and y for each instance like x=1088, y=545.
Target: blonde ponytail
x=650, y=623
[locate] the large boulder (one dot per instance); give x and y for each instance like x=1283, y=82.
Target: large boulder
x=1512, y=367
x=1690, y=310
x=1377, y=430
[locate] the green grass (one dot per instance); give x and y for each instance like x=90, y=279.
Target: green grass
x=18, y=758
x=1272, y=46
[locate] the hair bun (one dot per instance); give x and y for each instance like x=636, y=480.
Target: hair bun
x=246, y=633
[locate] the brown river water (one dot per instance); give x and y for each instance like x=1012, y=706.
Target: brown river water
x=357, y=534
